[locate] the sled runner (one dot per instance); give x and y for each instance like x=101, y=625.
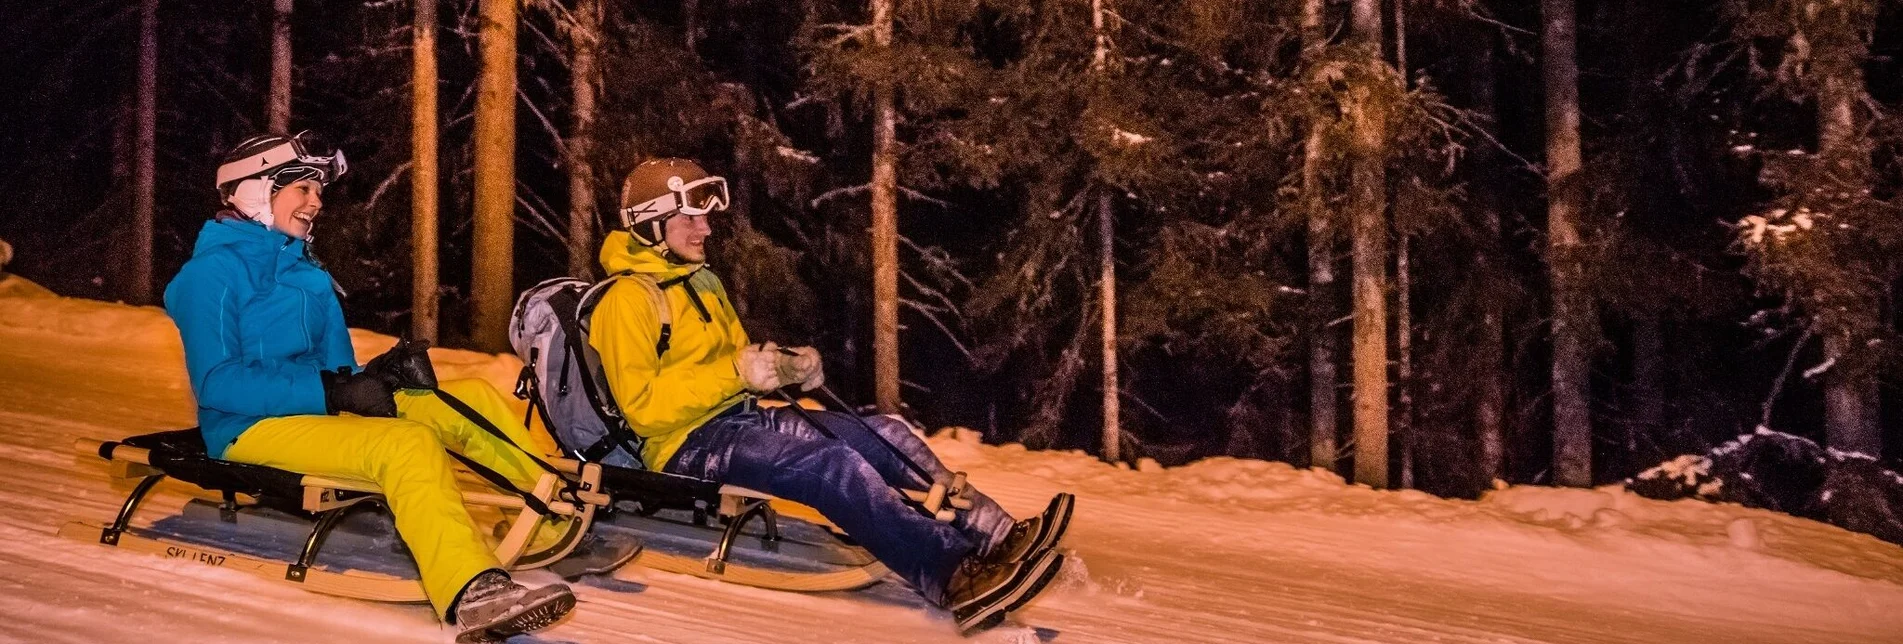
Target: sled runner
x=245, y=488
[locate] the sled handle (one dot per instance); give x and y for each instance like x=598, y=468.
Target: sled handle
x=110, y=450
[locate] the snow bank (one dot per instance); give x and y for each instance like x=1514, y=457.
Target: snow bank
x=26, y=306
x=1786, y=473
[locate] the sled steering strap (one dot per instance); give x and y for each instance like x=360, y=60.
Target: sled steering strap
x=492, y=476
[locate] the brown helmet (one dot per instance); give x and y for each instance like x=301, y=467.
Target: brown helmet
x=658, y=189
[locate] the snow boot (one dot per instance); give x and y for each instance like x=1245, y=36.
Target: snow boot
x=493, y=608
x=1036, y=534
x=597, y=554
x=982, y=591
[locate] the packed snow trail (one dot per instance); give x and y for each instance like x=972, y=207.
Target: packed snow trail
x=1222, y=550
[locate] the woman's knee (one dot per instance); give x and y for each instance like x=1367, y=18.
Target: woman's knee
x=407, y=440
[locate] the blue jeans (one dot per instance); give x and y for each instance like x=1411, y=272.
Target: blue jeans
x=985, y=524
x=756, y=450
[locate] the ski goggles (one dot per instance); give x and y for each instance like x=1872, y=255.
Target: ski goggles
x=304, y=156
x=693, y=198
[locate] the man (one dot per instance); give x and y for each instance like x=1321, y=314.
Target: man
x=688, y=390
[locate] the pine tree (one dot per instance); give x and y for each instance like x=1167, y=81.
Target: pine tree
x=885, y=223
x=1827, y=243
x=492, y=288
x=1572, y=309
x=1323, y=341
x=279, y=111
x=1366, y=111
x=145, y=154
x=584, y=34
x=424, y=301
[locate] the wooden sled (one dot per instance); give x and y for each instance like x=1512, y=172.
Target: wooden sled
x=658, y=505
x=181, y=455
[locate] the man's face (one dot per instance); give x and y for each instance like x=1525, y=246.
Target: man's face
x=686, y=235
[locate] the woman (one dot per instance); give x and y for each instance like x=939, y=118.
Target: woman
x=277, y=384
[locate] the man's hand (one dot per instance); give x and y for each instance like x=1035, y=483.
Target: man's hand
x=766, y=367
x=802, y=366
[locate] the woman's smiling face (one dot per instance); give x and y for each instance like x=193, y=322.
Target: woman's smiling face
x=295, y=207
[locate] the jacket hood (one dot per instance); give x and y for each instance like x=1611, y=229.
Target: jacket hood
x=619, y=252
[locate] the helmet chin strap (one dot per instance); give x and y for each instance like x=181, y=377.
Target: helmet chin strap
x=252, y=198
x=660, y=246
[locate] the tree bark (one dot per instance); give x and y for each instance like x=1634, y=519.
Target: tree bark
x=494, y=262
x=1107, y=269
x=585, y=39
x=1403, y=294
x=1490, y=405
x=1404, y=360
x=424, y=303
x=145, y=156
x=885, y=225
x=1322, y=340
x=1572, y=310
x=1107, y=282
x=1368, y=230
x=280, y=108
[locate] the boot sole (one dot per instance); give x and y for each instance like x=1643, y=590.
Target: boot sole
x=1023, y=589
x=1055, y=529
x=530, y=619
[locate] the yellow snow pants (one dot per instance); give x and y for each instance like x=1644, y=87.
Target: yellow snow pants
x=404, y=456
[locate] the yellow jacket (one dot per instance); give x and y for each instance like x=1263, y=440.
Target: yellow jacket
x=665, y=397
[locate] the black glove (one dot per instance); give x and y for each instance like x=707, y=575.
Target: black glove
x=363, y=394
x=404, y=366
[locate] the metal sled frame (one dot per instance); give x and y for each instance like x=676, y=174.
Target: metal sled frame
x=328, y=501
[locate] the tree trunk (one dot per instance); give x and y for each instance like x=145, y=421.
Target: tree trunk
x=1403, y=293
x=1322, y=339
x=145, y=156
x=423, y=174
x=1107, y=269
x=1367, y=209
x=1572, y=310
x=1107, y=281
x=494, y=262
x=885, y=225
x=1404, y=360
x=1836, y=31
x=1490, y=405
x=585, y=39
x=280, y=108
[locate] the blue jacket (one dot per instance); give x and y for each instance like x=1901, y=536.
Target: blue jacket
x=259, y=321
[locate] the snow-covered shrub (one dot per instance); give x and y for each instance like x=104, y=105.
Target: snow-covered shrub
x=1786, y=473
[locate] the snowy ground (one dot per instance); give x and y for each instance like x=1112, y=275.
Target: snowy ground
x=1218, y=551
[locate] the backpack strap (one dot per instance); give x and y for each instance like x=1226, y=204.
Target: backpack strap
x=647, y=283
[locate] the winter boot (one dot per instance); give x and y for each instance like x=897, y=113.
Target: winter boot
x=981, y=591
x=597, y=554
x=494, y=607
x=1036, y=534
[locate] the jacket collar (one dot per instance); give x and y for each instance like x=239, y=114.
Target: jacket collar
x=246, y=237
x=620, y=252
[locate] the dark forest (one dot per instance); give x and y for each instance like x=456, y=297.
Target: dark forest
x=1327, y=220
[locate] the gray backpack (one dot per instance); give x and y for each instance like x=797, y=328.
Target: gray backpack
x=562, y=376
